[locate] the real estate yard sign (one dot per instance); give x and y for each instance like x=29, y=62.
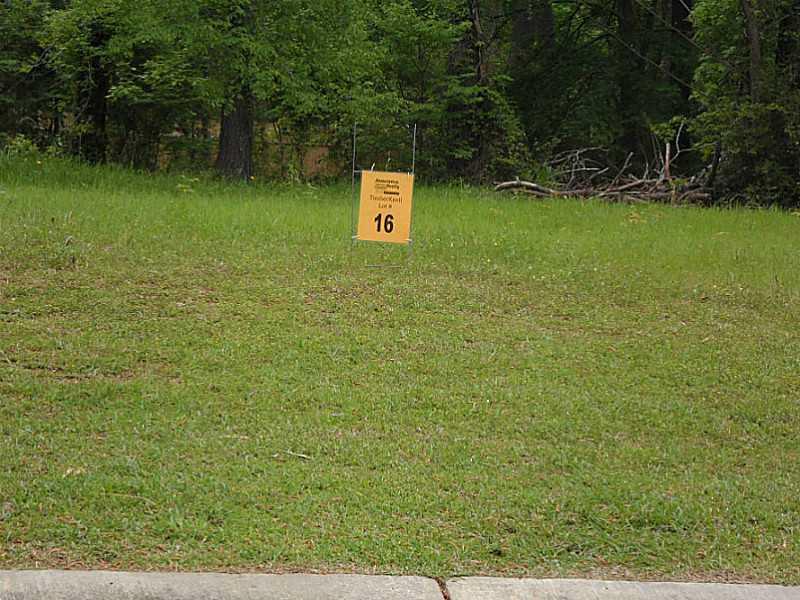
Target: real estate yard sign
x=384, y=214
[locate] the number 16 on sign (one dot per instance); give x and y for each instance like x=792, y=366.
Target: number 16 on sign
x=384, y=213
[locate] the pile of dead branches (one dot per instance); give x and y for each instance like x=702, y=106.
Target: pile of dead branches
x=626, y=190
x=585, y=173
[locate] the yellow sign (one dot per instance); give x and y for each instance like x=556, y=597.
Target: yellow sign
x=385, y=211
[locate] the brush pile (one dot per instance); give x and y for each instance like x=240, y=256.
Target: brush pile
x=629, y=189
x=586, y=173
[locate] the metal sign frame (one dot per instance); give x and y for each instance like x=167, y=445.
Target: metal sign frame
x=354, y=197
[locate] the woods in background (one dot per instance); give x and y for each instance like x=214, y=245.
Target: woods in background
x=499, y=88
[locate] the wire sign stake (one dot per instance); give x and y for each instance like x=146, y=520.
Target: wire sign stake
x=385, y=204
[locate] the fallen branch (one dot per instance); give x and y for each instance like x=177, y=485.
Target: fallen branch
x=525, y=185
x=660, y=189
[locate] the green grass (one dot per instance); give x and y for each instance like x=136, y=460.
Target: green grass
x=214, y=379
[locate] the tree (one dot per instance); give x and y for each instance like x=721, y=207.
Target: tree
x=28, y=87
x=275, y=59
x=754, y=49
x=750, y=100
x=119, y=79
x=491, y=83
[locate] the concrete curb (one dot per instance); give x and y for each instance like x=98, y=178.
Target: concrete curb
x=100, y=585
x=490, y=588
x=103, y=585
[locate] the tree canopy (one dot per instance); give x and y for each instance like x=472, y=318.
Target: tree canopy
x=498, y=88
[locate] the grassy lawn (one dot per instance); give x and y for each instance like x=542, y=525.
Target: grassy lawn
x=204, y=376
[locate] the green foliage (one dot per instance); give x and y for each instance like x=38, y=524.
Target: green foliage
x=759, y=137
x=761, y=160
x=493, y=144
x=466, y=128
x=28, y=90
x=494, y=86
x=417, y=86
x=20, y=146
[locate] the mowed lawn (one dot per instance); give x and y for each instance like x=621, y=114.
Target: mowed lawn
x=200, y=376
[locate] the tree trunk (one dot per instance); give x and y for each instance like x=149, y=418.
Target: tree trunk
x=681, y=15
x=481, y=67
x=479, y=160
x=533, y=23
x=94, y=144
x=666, y=12
x=235, y=158
x=787, y=51
x=682, y=22
x=545, y=24
x=754, y=42
x=628, y=76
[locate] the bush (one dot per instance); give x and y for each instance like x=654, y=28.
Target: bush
x=19, y=146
